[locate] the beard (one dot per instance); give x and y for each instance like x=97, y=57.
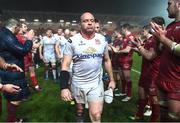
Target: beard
x=88, y=31
x=171, y=14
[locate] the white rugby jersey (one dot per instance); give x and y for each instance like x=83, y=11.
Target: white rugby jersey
x=87, y=59
x=61, y=40
x=48, y=46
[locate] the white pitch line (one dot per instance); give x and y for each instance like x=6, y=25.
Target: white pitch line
x=138, y=72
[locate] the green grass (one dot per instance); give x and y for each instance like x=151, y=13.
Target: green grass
x=46, y=106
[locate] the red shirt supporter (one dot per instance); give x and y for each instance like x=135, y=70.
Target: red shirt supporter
x=21, y=38
x=169, y=76
x=116, y=57
x=28, y=57
x=127, y=42
x=154, y=65
x=170, y=64
x=143, y=82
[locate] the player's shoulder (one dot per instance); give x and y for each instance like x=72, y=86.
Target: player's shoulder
x=98, y=35
x=75, y=38
x=55, y=35
x=44, y=38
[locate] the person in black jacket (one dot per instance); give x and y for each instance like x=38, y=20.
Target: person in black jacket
x=12, y=51
x=10, y=88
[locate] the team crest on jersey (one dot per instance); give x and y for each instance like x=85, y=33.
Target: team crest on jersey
x=97, y=41
x=90, y=50
x=82, y=43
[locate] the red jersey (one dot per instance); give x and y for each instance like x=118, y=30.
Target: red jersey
x=169, y=63
x=28, y=57
x=125, y=57
x=149, y=43
x=116, y=57
x=154, y=65
x=21, y=38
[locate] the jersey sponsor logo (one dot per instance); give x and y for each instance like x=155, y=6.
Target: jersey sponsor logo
x=90, y=52
x=88, y=56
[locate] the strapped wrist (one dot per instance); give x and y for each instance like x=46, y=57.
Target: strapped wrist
x=173, y=46
x=176, y=49
x=64, y=79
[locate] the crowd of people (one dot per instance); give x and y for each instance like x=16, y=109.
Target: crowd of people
x=79, y=60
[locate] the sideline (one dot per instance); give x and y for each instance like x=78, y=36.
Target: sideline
x=138, y=72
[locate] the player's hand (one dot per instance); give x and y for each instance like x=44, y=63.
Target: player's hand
x=41, y=57
x=158, y=30
x=112, y=85
x=10, y=88
x=138, y=42
x=13, y=67
x=66, y=95
x=113, y=48
x=59, y=57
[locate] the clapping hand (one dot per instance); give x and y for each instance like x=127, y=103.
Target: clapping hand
x=12, y=67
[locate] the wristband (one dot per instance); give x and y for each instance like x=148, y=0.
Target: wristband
x=64, y=79
x=177, y=49
x=173, y=46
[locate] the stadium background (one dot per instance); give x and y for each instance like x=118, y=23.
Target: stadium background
x=47, y=105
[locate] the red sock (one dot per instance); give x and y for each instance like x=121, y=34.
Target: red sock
x=129, y=89
x=11, y=112
x=141, y=105
x=34, y=81
x=0, y=104
x=155, y=113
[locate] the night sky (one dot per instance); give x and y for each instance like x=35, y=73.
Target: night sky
x=115, y=7
x=123, y=7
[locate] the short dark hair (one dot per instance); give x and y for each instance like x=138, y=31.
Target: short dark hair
x=147, y=27
x=96, y=20
x=159, y=20
x=21, y=23
x=126, y=26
